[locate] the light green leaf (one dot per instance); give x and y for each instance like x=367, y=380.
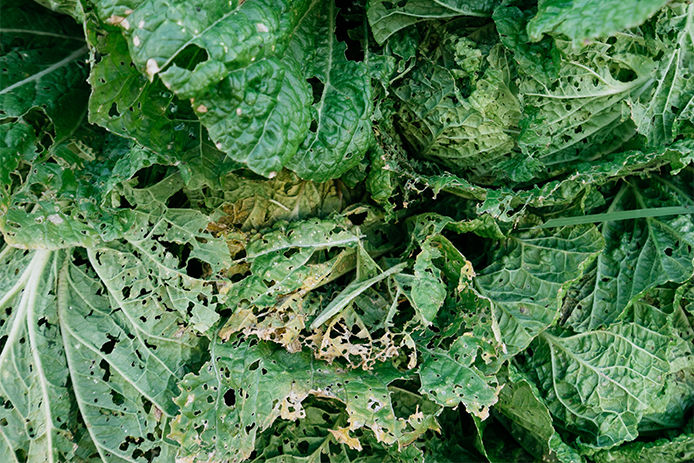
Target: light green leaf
x=522, y=408
x=530, y=275
x=33, y=373
x=639, y=254
x=449, y=378
x=256, y=204
x=466, y=134
x=428, y=291
x=248, y=385
x=677, y=449
x=123, y=363
x=586, y=19
x=655, y=113
x=600, y=383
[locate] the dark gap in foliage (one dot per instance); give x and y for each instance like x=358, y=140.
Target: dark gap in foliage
x=113, y=110
x=317, y=88
x=109, y=345
x=195, y=268
x=151, y=175
x=178, y=200
x=472, y=246
x=43, y=127
x=358, y=219
x=349, y=27
x=190, y=56
x=123, y=203
x=107, y=370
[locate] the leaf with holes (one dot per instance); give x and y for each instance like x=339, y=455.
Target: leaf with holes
x=639, y=254
x=248, y=385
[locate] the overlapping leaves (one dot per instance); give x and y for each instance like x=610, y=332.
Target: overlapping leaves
x=496, y=266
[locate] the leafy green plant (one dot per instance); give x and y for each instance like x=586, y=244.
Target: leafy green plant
x=321, y=230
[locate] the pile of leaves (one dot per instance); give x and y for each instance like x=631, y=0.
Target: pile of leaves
x=331, y=231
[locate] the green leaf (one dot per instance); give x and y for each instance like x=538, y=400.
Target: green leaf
x=42, y=61
x=428, y=291
x=600, y=383
x=258, y=114
x=123, y=362
x=522, y=409
x=249, y=90
x=466, y=134
x=352, y=291
x=147, y=111
x=340, y=131
x=639, y=254
x=655, y=114
x=248, y=385
x=530, y=275
x=386, y=18
x=677, y=449
x=587, y=19
x=37, y=403
x=449, y=378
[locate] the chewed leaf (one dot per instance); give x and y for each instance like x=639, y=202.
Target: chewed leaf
x=248, y=385
x=656, y=114
x=449, y=378
x=145, y=275
x=428, y=291
x=340, y=131
x=122, y=365
x=36, y=401
x=88, y=362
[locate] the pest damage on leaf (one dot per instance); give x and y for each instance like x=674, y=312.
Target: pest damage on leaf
x=333, y=230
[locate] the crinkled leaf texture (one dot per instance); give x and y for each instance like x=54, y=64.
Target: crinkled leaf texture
x=586, y=19
x=245, y=68
x=639, y=254
x=529, y=277
x=601, y=382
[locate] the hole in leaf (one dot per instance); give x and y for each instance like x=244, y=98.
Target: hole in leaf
x=190, y=57
x=108, y=346
x=113, y=111
x=230, y=398
x=317, y=88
